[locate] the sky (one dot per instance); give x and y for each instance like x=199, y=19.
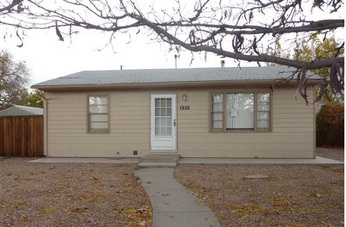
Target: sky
x=48, y=58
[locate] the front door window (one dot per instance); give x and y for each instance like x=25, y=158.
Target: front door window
x=163, y=116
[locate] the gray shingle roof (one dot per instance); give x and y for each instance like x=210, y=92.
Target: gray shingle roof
x=150, y=76
x=18, y=110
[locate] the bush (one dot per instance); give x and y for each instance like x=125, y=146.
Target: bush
x=330, y=126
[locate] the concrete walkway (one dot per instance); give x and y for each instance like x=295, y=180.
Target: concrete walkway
x=173, y=205
x=270, y=161
x=230, y=161
x=86, y=160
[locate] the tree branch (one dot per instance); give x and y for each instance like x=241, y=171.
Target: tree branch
x=235, y=29
x=11, y=6
x=260, y=58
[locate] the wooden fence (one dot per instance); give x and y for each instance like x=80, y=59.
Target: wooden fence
x=21, y=136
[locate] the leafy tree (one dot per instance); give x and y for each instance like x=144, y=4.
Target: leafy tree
x=35, y=99
x=316, y=48
x=14, y=77
x=330, y=125
x=235, y=29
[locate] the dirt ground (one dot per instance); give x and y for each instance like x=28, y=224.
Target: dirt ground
x=290, y=195
x=34, y=194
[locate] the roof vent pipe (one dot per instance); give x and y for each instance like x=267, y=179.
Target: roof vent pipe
x=176, y=61
x=222, y=63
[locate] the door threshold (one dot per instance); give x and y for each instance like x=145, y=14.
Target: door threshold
x=163, y=151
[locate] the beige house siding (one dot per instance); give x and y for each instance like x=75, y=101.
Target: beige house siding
x=67, y=125
x=292, y=134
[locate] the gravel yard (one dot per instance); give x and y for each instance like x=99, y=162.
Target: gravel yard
x=34, y=194
x=292, y=195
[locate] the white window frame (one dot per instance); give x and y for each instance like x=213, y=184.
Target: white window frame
x=90, y=114
x=255, y=108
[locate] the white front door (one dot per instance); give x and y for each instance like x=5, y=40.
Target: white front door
x=163, y=122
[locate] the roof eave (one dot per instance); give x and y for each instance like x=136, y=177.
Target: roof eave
x=169, y=85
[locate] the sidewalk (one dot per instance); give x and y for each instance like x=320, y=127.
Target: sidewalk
x=173, y=205
x=262, y=161
x=173, y=162
x=86, y=160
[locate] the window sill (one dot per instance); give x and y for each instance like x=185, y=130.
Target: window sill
x=241, y=131
x=99, y=131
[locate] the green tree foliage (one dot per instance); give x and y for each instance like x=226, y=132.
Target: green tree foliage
x=35, y=99
x=312, y=49
x=315, y=48
x=14, y=76
x=330, y=125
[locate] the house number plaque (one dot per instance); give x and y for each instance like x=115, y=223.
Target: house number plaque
x=184, y=108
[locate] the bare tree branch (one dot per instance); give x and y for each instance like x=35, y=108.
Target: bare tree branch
x=235, y=29
x=10, y=7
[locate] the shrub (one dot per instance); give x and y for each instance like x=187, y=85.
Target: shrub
x=330, y=125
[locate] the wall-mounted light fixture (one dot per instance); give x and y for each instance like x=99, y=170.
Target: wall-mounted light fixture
x=184, y=97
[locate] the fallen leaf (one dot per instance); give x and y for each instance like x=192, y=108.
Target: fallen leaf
x=244, y=217
x=79, y=209
x=211, y=219
x=127, y=184
x=48, y=210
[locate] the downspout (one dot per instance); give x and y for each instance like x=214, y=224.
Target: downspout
x=45, y=126
x=314, y=121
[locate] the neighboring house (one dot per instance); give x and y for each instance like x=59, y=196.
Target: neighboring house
x=246, y=112
x=17, y=110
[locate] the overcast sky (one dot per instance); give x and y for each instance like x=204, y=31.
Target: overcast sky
x=48, y=58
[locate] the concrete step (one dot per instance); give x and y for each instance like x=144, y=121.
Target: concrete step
x=159, y=161
x=157, y=165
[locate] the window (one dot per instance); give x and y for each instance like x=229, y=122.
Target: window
x=163, y=116
x=98, y=114
x=240, y=111
x=217, y=111
x=263, y=111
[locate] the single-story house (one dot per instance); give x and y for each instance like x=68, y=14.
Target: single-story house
x=17, y=110
x=246, y=112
